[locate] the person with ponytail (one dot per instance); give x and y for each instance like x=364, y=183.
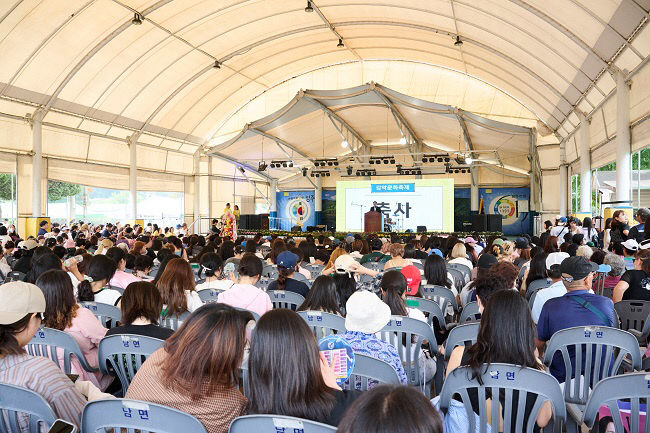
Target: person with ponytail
x=212, y=268
x=287, y=266
x=93, y=288
x=120, y=279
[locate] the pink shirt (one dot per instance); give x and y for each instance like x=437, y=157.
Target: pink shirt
x=87, y=331
x=123, y=279
x=247, y=297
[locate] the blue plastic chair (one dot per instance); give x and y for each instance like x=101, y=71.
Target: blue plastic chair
x=173, y=322
x=45, y=343
x=464, y=334
x=459, y=278
x=124, y=354
x=108, y=315
x=116, y=414
x=16, y=401
x=505, y=378
x=442, y=295
x=430, y=309
x=299, y=277
x=601, y=349
x=470, y=312
x=209, y=296
x=323, y=324
x=369, y=372
x=634, y=388
x=285, y=299
x=277, y=424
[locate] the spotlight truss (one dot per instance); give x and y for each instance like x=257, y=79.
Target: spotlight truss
x=457, y=169
x=379, y=159
x=366, y=172
x=326, y=162
x=408, y=171
x=320, y=173
x=439, y=157
x=281, y=163
x=262, y=166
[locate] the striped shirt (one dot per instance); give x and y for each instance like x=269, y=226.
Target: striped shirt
x=42, y=376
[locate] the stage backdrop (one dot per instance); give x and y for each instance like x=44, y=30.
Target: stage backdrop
x=296, y=207
x=409, y=203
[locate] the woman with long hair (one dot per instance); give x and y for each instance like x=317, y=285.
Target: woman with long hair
x=288, y=374
x=93, y=288
x=121, y=278
x=591, y=234
x=619, y=228
x=509, y=341
x=322, y=297
x=195, y=370
x=64, y=314
x=176, y=287
x=435, y=272
x=287, y=267
x=551, y=245
x=536, y=271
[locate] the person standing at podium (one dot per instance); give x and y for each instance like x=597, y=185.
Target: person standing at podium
x=374, y=207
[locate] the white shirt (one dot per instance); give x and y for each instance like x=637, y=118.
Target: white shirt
x=414, y=313
x=555, y=290
x=215, y=284
x=193, y=300
x=559, y=232
x=462, y=261
x=108, y=296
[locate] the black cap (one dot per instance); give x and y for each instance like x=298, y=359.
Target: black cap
x=486, y=261
x=576, y=268
x=578, y=238
x=522, y=243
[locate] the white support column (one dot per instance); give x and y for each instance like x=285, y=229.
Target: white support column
x=197, y=191
x=133, y=177
x=564, y=180
x=318, y=199
x=37, y=163
x=474, y=199
x=623, y=157
x=585, y=164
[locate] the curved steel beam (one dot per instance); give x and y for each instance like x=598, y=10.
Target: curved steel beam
x=239, y=164
x=401, y=122
x=279, y=141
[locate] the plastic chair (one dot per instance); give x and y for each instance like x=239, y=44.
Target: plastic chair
x=461, y=335
x=369, y=372
x=17, y=402
x=277, y=424
x=124, y=354
x=442, y=295
x=407, y=336
x=599, y=353
x=118, y=289
x=467, y=272
x=270, y=271
x=531, y=301
x=536, y=285
x=263, y=283
x=598, y=284
x=255, y=315
x=632, y=314
x=209, y=296
x=45, y=343
x=459, y=278
x=109, y=315
x=505, y=379
x=120, y=413
x=470, y=312
x=430, y=309
x=375, y=266
x=173, y=322
x=634, y=388
x=285, y=299
x=418, y=264
x=323, y=324
x=299, y=277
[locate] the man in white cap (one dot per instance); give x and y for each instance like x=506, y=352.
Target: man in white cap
x=367, y=315
x=556, y=289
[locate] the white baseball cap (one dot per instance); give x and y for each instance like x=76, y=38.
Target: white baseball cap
x=366, y=313
x=631, y=244
x=18, y=299
x=555, y=259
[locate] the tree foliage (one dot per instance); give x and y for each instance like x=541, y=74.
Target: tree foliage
x=5, y=186
x=58, y=190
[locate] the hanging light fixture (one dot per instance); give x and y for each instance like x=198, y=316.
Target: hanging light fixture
x=458, y=42
x=137, y=19
x=340, y=44
x=217, y=65
x=309, y=7
x=402, y=140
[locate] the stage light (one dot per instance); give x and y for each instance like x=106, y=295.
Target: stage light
x=327, y=174
x=340, y=44
x=290, y=163
x=242, y=170
x=458, y=42
x=309, y=8
x=344, y=143
x=336, y=163
x=216, y=65
x=262, y=166
x=137, y=19
x=304, y=171
x=392, y=160
x=402, y=140
x=386, y=161
x=439, y=159
x=447, y=159
x=284, y=164
x=349, y=170
x=371, y=161
x=330, y=163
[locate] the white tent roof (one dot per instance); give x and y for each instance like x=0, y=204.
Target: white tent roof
x=91, y=70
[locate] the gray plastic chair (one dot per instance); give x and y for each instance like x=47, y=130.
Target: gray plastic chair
x=470, y=312
x=531, y=301
x=209, y=296
x=634, y=388
x=505, y=378
x=463, y=269
x=413, y=332
x=299, y=277
x=270, y=271
x=632, y=314
x=255, y=315
x=124, y=354
x=459, y=278
x=442, y=295
x=323, y=324
x=430, y=309
x=108, y=314
x=17, y=402
x=369, y=372
x=277, y=424
x=461, y=335
x=47, y=340
x=375, y=266
x=263, y=283
x=117, y=289
x=536, y=285
x=285, y=299
x=601, y=349
x=418, y=264
x=173, y=322
x=116, y=414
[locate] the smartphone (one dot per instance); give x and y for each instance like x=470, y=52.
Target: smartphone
x=61, y=426
x=73, y=377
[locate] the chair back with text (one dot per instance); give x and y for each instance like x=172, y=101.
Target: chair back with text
x=16, y=403
x=514, y=385
x=632, y=314
x=45, y=343
x=285, y=299
x=463, y=269
x=108, y=315
x=134, y=415
x=465, y=334
x=536, y=285
x=209, y=296
x=430, y=308
x=323, y=324
x=123, y=355
x=442, y=295
x=369, y=372
x=277, y=424
x=470, y=312
x=375, y=266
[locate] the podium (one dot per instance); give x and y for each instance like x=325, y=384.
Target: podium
x=373, y=222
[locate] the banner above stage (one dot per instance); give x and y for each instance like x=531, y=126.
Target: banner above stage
x=405, y=204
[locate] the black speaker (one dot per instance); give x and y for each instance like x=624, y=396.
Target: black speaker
x=487, y=223
x=311, y=228
x=422, y=229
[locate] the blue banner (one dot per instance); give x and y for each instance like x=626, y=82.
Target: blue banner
x=393, y=187
x=511, y=204
x=296, y=208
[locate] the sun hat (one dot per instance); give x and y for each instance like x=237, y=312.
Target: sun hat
x=69, y=243
x=29, y=244
x=631, y=244
x=522, y=243
x=345, y=264
x=287, y=260
x=18, y=299
x=469, y=240
x=413, y=279
x=366, y=313
x=498, y=241
x=555, y=259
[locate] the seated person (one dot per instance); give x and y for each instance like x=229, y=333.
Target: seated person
x=322, y=297
x=635, y=284
x=375, y=255
x=287, y=266
x=556, y=289
x=245, y=294
x=212, y=267
x=617, y=266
